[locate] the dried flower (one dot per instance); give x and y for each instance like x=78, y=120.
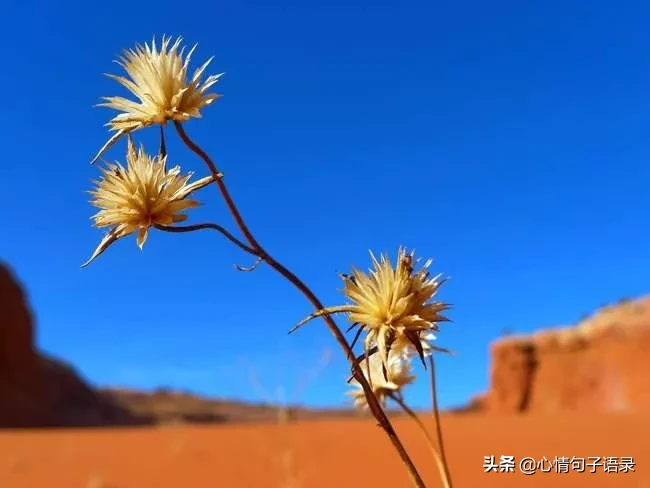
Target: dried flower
x=158, y=79
x=397, y=375
x=426, y=338
x=391, y=304
x=142, y=195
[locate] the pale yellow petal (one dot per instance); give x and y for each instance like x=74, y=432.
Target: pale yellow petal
x=141, y=195
x=112, y=236
x=157, y=79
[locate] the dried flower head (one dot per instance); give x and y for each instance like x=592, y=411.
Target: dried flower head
x=391, y=304
x=142, y=195
x=403, y=344
x=158, y=79
x=384, y=381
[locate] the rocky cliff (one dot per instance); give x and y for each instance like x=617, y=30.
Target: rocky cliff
x=600, y=365
x=38, y=391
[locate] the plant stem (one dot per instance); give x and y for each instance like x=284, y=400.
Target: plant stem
x=432, y=445
x=373, y=403
x=217, y=227
x=436, y=417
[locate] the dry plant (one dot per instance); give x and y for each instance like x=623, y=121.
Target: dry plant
x=392, y=305
x=293, y=478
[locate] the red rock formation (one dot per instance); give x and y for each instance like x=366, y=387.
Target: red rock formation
x=36, y=391
x=600, y=365
x=22, y=397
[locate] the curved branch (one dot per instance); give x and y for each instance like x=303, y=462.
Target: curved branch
x=320, y=313
x=252, y=267
x=198, y=151
x=217, y=227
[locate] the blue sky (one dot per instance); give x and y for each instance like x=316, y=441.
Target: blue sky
x=507, y=141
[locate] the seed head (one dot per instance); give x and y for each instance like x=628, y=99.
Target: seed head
x=142, y=195
x=393, y=304
x=158, y=79
x=397, y=375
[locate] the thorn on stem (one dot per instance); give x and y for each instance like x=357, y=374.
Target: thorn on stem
x=356, y=338
x=163, y=146
x=352, y=326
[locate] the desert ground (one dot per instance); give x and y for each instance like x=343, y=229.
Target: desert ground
x=322, y=453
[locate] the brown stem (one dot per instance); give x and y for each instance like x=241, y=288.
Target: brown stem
x=217, y=227
x=436, y=416
x=373, y=403
x=432, y=445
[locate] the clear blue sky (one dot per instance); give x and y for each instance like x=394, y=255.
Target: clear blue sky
x=509, y=141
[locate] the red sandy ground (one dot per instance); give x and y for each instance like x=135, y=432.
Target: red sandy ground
x=324, y=453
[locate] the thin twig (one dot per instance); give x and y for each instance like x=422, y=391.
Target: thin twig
x=431, y=443
x=319, y=313
x=252, y=267
x=436, y=417
x=373, y=403
x=217, y=227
